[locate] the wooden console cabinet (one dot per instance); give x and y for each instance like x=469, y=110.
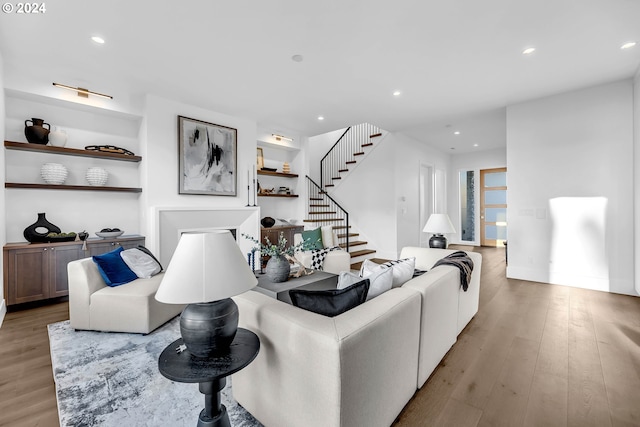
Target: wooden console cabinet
x=273, y=233
x=38, y=271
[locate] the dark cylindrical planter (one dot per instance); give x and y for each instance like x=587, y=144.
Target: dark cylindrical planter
x=34, y=233
x=209, y=328
x=278, y=269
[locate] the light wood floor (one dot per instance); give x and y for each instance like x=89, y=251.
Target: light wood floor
x=534, y=355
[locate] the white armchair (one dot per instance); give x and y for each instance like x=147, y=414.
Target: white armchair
x=128, y=308
x=335, y=261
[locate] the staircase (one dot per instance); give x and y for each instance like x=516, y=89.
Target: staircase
x=322, y=209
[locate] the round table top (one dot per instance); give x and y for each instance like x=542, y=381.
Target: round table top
x=187, y=368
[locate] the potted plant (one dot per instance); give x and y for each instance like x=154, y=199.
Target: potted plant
x=278, y=267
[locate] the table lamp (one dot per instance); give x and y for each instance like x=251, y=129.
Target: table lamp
x=206, y=270
x=438, y=224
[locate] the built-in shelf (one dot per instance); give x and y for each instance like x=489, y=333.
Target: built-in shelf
x=72, y=187
x=277, y=195
x=25, y=146
x=280, y=174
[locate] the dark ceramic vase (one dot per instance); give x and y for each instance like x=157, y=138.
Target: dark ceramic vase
x=267, y=222
x=37, y=133
x=34, y=233
x=278, y=269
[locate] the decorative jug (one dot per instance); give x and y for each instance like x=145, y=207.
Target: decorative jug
x=57, y=137
x=36, y=133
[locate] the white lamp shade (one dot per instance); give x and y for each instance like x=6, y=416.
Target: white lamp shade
x=205, y=267
x=439, y=224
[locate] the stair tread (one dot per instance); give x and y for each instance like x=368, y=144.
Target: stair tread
x=350, y=162
x=316, y=198
x=369, y=144
x=361, y=253
x=322, y=212
x=341, y=227
x=337, y=177
x=318, y=206
x=375, y=135
x=359, y=153
x=343, y=170
x=342, y=236
x=354, y=243
x=329, y=185
x=323, y=220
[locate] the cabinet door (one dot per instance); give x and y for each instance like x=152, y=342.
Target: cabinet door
x=59, y=257
x=27, y=275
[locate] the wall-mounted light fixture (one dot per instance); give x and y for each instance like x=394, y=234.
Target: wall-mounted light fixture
x=280, y=137
x=83, y=92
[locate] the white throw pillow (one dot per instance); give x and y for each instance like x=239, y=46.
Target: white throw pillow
x=140, y=263
x=327, y=236
x=380, y=281
x=402, y=269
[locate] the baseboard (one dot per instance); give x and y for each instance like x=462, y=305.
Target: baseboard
x=3, y=311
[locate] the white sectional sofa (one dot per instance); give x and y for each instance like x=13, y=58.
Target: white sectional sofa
x=361, y=367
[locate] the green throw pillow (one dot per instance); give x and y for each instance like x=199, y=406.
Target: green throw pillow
x=312, y=239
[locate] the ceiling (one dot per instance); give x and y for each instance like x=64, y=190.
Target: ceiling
x=456, y=63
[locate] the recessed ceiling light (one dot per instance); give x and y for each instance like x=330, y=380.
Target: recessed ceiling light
x=297, y=58
x=97, y=39
x=628, y=45
x=397, y=93
x=457, y=132
x=529, y=51
x=475, y=145
x=320, y=117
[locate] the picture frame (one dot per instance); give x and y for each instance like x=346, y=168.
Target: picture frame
x=207, y=158
x=260, y=164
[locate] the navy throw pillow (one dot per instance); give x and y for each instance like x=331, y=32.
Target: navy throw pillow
x=331, y=302
x=113, y=269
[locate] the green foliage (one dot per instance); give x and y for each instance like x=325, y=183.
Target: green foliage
x=71, y=234
x=279, y=248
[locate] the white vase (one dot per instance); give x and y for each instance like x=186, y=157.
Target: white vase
x=57, y=137
x=53, y=173
x=97, y=176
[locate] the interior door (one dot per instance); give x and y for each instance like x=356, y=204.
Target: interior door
x=493, y=207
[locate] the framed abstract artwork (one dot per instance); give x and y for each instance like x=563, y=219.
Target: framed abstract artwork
x=208, y=158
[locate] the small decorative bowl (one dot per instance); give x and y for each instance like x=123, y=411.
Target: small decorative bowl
x=53, y=173
x=107, y=234
x=97, y=176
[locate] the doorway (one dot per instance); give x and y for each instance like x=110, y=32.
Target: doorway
x=493, y=207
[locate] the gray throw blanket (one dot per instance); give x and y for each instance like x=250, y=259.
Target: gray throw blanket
x=463, y=262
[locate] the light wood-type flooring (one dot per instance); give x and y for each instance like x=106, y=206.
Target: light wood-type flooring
x=534, y=355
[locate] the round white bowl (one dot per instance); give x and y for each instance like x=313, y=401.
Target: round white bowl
x=54, y=173
x=107, y=234
x=97, y=176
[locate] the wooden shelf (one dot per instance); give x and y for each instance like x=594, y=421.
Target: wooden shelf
x=25, y=146
x=72, y=187
x=280, y=174
x=277, y=195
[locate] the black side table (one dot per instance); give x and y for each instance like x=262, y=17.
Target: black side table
x=210, y=372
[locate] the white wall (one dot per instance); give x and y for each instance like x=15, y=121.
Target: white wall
x=636, y=178
x=570, y=163
x=475, y=161
x=319, y=146
x=160, y=150
x=3, y=233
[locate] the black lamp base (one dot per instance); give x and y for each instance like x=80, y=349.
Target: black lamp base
x=438, y=241
x=208, y=328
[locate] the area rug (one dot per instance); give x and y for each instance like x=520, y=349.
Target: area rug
x=112, y=379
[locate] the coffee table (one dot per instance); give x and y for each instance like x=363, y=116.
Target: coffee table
x=318, y=280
